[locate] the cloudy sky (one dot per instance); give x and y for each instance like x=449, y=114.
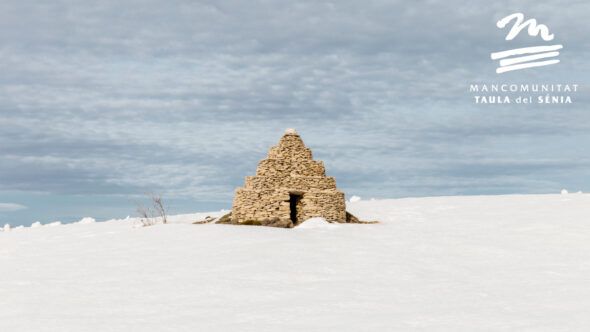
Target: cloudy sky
x=101, y=103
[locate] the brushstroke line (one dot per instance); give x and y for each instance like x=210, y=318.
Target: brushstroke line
x=520, y=59
x=525, y=50
x=504, y=69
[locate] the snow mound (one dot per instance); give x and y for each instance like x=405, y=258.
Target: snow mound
x=354, y=199
x=317, y=223
x=564, y=191
x=36, y=224
x=87, y=220
x=6, y=228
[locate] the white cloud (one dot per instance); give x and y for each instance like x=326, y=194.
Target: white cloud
x=9, y=207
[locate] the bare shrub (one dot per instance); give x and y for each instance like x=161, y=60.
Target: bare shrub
x=159, y=207
x=154, y=213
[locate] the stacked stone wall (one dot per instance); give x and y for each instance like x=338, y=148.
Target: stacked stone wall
x=286, y=167
x=288, y=170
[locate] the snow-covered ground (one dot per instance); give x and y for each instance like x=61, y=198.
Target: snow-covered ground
x=480, y=263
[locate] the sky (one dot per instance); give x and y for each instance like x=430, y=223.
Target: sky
x=101, y=103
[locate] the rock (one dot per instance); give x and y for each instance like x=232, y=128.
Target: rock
x=225, y=219
x=278, y=222
x=350, y=218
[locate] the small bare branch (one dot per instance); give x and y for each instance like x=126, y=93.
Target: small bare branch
x=150, y=215
x=159, y=207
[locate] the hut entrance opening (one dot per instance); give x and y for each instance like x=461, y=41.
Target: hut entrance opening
x=293, y=202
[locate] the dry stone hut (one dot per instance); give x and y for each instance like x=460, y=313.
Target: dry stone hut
x=289, y=187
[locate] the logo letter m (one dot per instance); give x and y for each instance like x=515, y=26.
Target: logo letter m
x=533, y=30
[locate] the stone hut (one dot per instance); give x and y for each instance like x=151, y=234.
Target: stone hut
x=289, y=187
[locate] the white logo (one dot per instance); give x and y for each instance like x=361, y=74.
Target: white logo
x=536, y=52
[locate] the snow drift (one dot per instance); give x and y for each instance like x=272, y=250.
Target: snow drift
x=476, y=263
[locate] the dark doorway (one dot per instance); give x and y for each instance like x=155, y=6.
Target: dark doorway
x=293, y=201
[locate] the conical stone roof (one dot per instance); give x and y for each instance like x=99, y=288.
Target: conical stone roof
x=289, y=187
